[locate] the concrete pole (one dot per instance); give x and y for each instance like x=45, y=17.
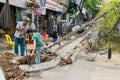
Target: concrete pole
x=32, y=15
x=37, y=23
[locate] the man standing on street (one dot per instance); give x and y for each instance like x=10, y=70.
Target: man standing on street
x=20, y=36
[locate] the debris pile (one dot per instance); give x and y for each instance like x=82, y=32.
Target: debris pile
x=27, y=60
x=65, y=61
x=11, y=70
x=46, y=56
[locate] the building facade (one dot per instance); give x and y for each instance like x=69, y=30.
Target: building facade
x=48, y=17
x=15, y=9
x=63, y=21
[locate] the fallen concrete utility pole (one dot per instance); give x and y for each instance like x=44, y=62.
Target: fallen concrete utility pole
x=65, y=47
x=92, y=22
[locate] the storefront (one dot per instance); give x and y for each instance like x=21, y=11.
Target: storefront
x=48, y=17
x=54, y=11
x=15, y=8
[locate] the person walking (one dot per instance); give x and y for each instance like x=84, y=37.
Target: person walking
x=20, y=36
x=38, y=45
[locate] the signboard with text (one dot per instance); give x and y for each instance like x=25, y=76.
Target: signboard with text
x=54, y=6
x=42, y=9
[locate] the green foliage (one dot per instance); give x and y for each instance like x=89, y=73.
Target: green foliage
x=109, y=5
x=92, y=5
x=111, y=19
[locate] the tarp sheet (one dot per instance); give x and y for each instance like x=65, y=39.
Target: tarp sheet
x=5, y=16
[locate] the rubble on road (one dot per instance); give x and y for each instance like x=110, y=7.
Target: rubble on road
x=29, y=60
x=66, y=61
x=46, y=56
x=11, y=70
x=10, y=64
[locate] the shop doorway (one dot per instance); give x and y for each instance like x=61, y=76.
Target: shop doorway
x=40, y=23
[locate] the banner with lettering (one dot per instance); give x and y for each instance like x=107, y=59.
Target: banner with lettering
x=42, y=9
x=54, y=6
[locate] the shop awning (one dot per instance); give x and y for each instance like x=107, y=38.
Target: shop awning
x=54, y=6
x=17, y=3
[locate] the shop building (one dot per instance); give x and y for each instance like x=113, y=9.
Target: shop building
x=63, y=20
x=16, y=6
x=49, y=17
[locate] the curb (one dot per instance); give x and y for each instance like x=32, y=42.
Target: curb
x=42, y=66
